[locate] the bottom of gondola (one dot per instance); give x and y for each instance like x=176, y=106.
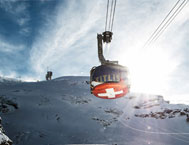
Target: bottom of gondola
x=110, y=90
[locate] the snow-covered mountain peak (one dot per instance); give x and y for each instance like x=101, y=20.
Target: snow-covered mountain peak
x=63, y=111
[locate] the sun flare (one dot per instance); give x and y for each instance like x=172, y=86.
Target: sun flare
x=150, y=69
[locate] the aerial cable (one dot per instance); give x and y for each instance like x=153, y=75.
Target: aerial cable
x=107, y=15
x=110, y=14
x=171, y=18
x=181, y=7
x=113, y=15
x=147, y=42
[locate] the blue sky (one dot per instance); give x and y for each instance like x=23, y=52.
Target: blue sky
x=20, y=23
x=61, y=35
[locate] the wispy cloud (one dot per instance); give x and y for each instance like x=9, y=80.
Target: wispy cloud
x=66, y=41
x=18, y=11
x=6, y=47
x=14, y=19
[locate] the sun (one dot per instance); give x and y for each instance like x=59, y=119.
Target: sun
x=150, y=69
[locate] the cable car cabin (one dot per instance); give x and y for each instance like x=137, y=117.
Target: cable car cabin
x=109, y=81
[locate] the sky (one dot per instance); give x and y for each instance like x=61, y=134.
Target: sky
x=60, y=35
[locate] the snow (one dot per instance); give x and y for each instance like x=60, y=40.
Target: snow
x=8, y=80
x=3, y=138
x=62, y=111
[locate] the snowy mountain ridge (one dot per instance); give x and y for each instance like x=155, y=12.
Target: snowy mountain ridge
x=8, y=80
x=63, y=111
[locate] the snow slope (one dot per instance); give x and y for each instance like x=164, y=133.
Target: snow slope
x=63, y=111
x=4, y=140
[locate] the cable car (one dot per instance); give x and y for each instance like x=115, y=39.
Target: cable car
x=109, y=80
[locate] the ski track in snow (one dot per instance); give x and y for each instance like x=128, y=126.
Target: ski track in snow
x=63, y=111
